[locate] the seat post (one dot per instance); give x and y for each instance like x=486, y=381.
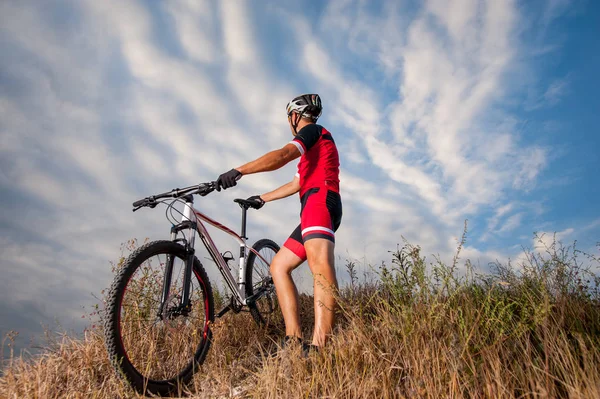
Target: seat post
x=244, y=211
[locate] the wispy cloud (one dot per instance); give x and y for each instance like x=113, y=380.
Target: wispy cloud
x=512, y=223
x=494, y=221
x=195, y=23
x=556, y=91
x=550, y=96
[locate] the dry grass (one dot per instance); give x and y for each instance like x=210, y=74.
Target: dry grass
x=421, y=330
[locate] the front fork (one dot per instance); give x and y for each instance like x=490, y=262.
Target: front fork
x=166, y=286
x=184, y=302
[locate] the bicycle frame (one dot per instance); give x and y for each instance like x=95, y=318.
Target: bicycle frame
x=193, y=219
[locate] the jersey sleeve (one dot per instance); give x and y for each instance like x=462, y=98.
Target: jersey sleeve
x=307, y=137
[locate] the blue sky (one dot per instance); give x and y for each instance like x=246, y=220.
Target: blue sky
x=442, y=111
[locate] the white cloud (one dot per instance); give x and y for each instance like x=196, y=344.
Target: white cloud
x=555, y=91
x=355, y=103
x=412, y=177
x=499, y=212
x=237, y=30
x=511, y=223
x=531, y=163
x=353, y=153
x=444, y=91
x=194, y=22
x=592, y=225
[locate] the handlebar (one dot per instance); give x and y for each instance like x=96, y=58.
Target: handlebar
x=201, y=189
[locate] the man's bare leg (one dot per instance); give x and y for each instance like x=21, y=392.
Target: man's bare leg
x=319, y=252
x=281, y=270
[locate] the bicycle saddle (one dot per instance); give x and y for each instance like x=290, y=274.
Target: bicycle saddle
x=245, y=203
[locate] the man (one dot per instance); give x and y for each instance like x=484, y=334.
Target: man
x=317, y=181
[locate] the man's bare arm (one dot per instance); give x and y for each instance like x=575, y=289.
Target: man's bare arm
x=271, y=161
x=284, y=191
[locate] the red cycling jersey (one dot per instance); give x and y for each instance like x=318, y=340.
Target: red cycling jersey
x=319, y=164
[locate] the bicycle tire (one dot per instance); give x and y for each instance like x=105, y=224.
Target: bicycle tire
x=265, y=306
x=122, y=310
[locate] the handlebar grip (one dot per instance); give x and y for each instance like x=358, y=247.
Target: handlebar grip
x=139, y=202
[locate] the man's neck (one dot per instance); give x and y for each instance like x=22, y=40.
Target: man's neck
x=302, y=123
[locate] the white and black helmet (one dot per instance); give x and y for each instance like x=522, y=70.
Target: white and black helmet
x=307, y=105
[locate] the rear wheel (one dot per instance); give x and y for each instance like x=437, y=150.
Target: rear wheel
x=258, y=279
x=158, y=354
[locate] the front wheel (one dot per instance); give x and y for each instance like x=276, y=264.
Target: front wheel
x=157, y=348
x=259, y=281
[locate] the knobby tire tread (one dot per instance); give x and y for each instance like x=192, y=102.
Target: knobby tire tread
x=111, y=329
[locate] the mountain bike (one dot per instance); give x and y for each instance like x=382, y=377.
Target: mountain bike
x=160, y=305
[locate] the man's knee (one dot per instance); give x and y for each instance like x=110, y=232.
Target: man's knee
x=278, y=269
x=284, y=262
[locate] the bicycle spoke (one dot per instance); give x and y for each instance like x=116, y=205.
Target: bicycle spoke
x=140, y=329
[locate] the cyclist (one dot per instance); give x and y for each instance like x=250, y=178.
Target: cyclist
x=317, y=181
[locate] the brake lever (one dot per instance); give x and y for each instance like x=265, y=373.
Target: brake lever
x=148, y=203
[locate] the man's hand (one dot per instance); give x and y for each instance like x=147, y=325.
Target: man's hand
x=257, y=202
x=228, y=179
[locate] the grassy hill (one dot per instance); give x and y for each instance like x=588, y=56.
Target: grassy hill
x=421, y=330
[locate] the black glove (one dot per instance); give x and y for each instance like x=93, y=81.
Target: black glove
x=257, y=202
x=228, y=179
